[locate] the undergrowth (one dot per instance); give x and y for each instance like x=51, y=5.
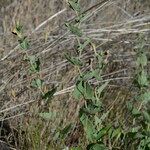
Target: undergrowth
x=95, y=127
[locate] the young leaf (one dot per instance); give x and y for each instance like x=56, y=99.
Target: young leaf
x=101, y=88
x=146, y=116
x=142, y=60
x=24, y=44
x=74, y=30
x=136, y=129
x=73, y=60
x=74, y=4
x=35, y=64
x=33, y=83
x=82, y=46
x=18, y=30
x=85, y=89
x=37, y=83
x=56, y=136
x=97, y=74
x=80, y=18
x=100, y=60
x=49, y=94
x=80, y=86
x=88, y=75
x=136, y=112
x=145, y=97
x=19, y=27
x=129, y=106
x=142, y=79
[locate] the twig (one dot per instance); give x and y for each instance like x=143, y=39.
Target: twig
x=37, y=28
x=50, y=18
x=69, y=89
x=11, y=148
x=12, y=117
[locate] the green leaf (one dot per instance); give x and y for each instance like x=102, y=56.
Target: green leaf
x=24, y=44
x=102, y=132
x=142, y=60
x=146, y=116
x=56, y=136
x=97, y=120
x=110, y=131
x=35, y=64
x=18, y=30
x=76, y=148
x=73, y=60
x=116, y=133
x=80, y=86
x=48, y=95
x=96, y=146
x=48, y=115
x=91, y=108
x=88, y=75
x=65, y=130
x=88, y=91
x=74, y=4
x=142, y=79
x=129, y=106
x=19, y=27
x=80, y=18
x=89, y=129
x=82, y=46
x=32, y=59
x=74, y=30
x=131, y=135
x=144, y=144
x=100, y=60
x=76, y=93
x=103, y=117
x=145, y=97
x=85, y=89
x=97, y=74
x=136, y=129
x=34, y=84
x=37, y=83
x=101, y=88
x=88, y=126
x=136, y=112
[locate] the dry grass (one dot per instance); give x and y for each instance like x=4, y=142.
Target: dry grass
x=113, y=26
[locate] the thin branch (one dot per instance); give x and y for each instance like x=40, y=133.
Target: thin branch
x=49, y=19
x=37, y=28
x=64, y=91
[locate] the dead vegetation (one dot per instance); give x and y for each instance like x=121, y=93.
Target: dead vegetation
x=113, y=25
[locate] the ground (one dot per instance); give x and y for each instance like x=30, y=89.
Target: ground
x=114, y=27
